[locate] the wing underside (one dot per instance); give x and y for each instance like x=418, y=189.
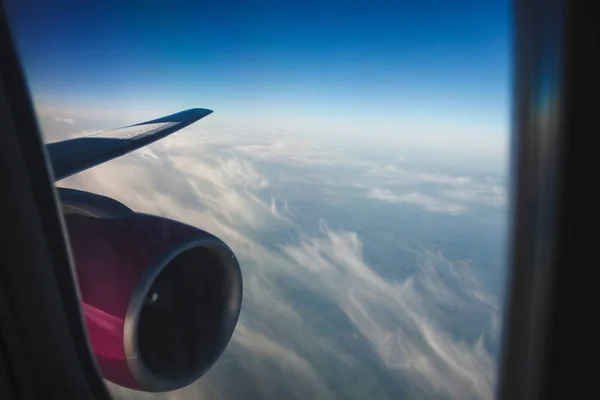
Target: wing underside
x=75, y=155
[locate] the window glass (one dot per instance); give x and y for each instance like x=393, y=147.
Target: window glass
x=355, y=162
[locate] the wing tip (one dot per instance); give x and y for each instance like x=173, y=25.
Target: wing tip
x=189, y=116
x=202, y=112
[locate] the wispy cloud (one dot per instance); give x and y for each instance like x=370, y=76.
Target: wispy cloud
x=315, y=311
x=69, y=121
x=393, y=174
x=492, y=195
x=429, y=203
x=391, y=182
x=396, y=317
x=452, y=195
x=290, y=151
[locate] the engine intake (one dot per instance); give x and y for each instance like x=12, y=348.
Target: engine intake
x=185, y=298
x=160, y=298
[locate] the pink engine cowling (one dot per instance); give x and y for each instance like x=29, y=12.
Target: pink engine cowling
x=160, y=298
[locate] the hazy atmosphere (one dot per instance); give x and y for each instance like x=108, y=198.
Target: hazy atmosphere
x=355, y=162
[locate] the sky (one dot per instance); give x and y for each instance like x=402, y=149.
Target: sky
x=315, y=66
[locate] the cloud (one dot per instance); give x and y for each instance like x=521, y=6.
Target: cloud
x=318, y=320
x=451, y=195
x=290, y=151
x=392, y=174
x=304, y=378
x=398, y=318
x=491, y=195
x=69, y=121
x=427, y=202
x=55, y=129
x=445, y=193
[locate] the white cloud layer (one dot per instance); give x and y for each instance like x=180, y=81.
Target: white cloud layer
x=393, y=316
x=429, y=203
x=280, y=348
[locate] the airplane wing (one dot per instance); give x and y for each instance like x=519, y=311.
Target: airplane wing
x=75, y=155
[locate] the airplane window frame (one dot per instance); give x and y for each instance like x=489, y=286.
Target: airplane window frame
x=528, y=365
x=45, y=347
x=554, y=76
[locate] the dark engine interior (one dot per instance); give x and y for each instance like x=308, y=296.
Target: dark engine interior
x=179, y=325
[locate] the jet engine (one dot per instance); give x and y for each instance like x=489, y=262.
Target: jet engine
x=160, y=298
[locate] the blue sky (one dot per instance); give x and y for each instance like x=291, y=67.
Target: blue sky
x=372, y=64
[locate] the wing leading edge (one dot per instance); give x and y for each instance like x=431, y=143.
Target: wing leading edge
x=75, y=155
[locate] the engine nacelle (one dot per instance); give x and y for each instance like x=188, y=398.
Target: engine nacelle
x=161, y=299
